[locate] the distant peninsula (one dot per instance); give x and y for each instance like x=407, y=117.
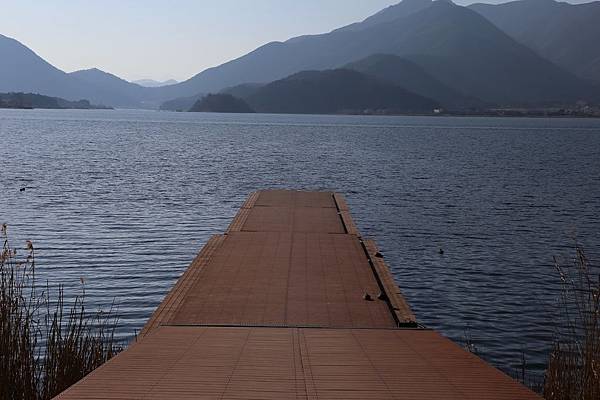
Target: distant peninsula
x=29, y=101
x=221, y=103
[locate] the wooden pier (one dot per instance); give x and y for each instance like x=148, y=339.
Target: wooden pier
x=291, y=303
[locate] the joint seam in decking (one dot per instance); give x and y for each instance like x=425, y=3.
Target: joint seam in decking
x=251, y=201
x=402, y=327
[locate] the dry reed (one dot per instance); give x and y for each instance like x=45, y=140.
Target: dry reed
x=573, y=371
x=45, y=345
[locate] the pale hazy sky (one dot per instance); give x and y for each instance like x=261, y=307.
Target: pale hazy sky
x=163, y=39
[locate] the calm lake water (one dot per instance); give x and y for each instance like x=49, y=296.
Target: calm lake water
x=125, y=200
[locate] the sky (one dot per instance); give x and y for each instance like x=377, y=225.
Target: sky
x=158, y=39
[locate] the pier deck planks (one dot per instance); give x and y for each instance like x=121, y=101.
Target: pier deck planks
x=275, y=309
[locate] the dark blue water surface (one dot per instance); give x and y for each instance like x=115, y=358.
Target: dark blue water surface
x=125, y=200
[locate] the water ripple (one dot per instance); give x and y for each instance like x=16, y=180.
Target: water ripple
x=125, y=199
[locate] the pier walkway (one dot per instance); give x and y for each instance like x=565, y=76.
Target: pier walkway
x=291, y=303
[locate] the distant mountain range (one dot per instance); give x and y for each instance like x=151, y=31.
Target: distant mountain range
x=530, y=52
x=114, y=90
x=339, y=91
x=454, y=44
x=566, y=34
x=153, y=83
x=409, y=75
x=181, y=103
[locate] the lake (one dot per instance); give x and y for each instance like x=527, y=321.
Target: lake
x=124, y=200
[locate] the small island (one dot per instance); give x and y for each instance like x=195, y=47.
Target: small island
x=221, y=103
x=29, y=101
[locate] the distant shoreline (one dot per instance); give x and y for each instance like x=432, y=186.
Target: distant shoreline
x=62, y=108
x=30, y=101
x=474, y=115
x=454, y=115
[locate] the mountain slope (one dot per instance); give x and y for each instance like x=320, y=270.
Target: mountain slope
x=333, y=92
x=153, y=83
x=221, y=103
x=180, y=103
x=566, y=34
x=22, y=70
x=244, y=90
x=123, y=93
x=482, y=61
x=456, y=46
x=412, y=77
x=390, y=14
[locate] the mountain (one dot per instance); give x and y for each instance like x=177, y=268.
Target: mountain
x=122, y=93
x=185, y=103
x=454, y=44
x=394, y=70
x=221, y=103
x=22, y=70
x=153, y=83
x=389, y=14
x=566, y=34
x=244, y=90
x=412, y=77
x=334, y=92
x=181, y=103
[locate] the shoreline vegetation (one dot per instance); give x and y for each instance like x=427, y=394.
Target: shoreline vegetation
x=573, y=364
x=202, y=106
x=366, y=88
x=46, y=345
x=30, y=101
x=573, y=370
x=376, y=85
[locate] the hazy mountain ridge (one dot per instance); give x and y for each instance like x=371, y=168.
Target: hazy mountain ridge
x=339, y=91
x=566, y=34
x=389, y=14
x=409, y=75
x=154, y=83
x=221, y=103
x=181, y=103
x=124, y=92
x=307, y=52
x=455, y=45
x=388, y=70
x=461, y=56
x=244, y=90
x=22, y=70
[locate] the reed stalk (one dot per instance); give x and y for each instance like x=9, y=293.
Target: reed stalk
x=45, y=344
x=573, y=371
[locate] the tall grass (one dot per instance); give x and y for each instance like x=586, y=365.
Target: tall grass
x=45, y=345
x=573, y=371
